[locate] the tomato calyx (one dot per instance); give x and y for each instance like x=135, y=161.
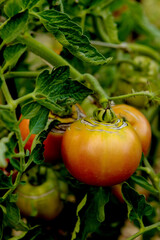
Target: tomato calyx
x=106, y=115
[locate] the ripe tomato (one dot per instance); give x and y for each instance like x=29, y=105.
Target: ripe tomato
x=52, y=144
x=100, y=153
x=41, y=200
x=138, y=121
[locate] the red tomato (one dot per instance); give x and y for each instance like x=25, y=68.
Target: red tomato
x=52, y=144
x=138, y=121
x=100, y=153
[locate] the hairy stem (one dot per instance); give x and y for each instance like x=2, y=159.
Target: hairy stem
x=47, y=54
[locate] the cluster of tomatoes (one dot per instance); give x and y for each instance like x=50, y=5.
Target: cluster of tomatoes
x=95, y=152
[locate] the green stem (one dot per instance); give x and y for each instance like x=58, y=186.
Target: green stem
x=152, y=175
x=14, y=186
x=61, y=6
x=24, y=98
x=48, y=54
x=101, y=94
x=99, y=28
x=135, y=47
x=143, y=230
x=130, y=47
x=33, y=74
x=6, y=92
x=142, y=93
x=83, y=19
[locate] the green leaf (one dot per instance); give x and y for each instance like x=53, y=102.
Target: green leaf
x=15, y=163
x=30, y=109
x=144, y=183
x=29, y=3
x=23, y=234
x=110, y=26
x=3, y=150
x=38, y=147
x=5, y=181
x=38, y=123
x=7, y=119
x=13, y=53
x=93, y=212
x=70, y=35
x=14, y=26
x=136, y=203
x=7, y=147
x=57, y=92
x=12, y=7
x=13, y=218
x=77, y=227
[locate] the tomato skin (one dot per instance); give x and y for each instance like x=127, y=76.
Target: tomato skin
x=52, y=144
x=138, y=121
x=41, y=201
x=99, y=153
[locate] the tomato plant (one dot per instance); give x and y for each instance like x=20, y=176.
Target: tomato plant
x=56, y=58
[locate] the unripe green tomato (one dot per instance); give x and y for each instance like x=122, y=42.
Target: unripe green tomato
x=41, y=201
x=100, y=153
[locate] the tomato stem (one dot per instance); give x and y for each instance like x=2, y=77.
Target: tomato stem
x=47, y=54
x=143, y=230
x=96, y=87
x=134, y=94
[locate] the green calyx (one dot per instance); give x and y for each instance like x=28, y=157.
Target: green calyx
x=104, y=115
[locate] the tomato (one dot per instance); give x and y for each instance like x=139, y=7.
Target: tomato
x=41, y=200
x=138, y=121
x=99, y=153
x=52, y=144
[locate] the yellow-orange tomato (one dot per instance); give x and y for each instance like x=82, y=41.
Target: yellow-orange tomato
x=100, y=153
x=138, y=121
x=52, y=144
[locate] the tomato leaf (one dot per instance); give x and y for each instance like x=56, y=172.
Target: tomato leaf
x=57, y=92
x=7, y=119
x=13, y=53
x=7, y=147
x=29, y=3
x=14, y=26
x=70, y=35
x=12, y=7
x=30, y=109
x=136, y=203
x=93, y=212
x=12, y=216
x=38, y=147
x=144, y=183
x=38, y=123
x=77, y=227
x=5, y=181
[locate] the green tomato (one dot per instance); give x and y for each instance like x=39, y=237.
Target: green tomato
x=41, y=200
